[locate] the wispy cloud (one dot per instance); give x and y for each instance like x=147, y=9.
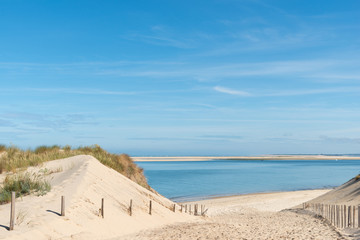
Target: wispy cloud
x=286, y=92
x=232, y=91
x=162, y=41
x=161, y=35
x=317, y=69
x=220, y=137
x=70, y=91
x=341, y=140
x=302, y=68
x=44, y=122
x=209, y=138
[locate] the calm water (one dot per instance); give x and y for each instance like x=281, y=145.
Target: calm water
x=181, y=181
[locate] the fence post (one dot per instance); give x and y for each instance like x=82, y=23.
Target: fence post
x=344, y=207
x=150, y=206
x=12, y=211
x=341, y=217
x=174, y=207
x=331, y=214
x=349, y=216
x=353, y=224
x=62, y=205
x=338, y=215
x=102, y=207
x=130, y=207
x=358, y=216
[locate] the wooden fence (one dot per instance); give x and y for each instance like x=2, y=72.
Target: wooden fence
x=183, y=208
x=194, y=209
x=340, y=216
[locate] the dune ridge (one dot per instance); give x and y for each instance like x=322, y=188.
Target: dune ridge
x=83, y=180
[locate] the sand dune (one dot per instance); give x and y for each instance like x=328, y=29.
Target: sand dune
x=348, y=193
x=84, y=181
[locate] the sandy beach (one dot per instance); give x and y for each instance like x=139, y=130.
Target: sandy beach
x=84, y=181
x=253, y=216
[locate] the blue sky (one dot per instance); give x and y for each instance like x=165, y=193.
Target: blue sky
x=211, y=77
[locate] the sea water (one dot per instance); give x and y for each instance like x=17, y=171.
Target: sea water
x=182, y=181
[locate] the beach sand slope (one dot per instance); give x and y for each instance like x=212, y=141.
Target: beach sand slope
x=254, y=216
x=84, y=181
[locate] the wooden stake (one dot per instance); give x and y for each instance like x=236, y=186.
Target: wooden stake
x=358, y=216
x=353, y=222
x=181, y=208
x=150, y=206
x=62, y=206
x=338, y=215
x=12, y=211
x=341, y=217
x=331, y=214
x=344, y=216
x=349, y=216
x=102, y=207
x=130, y=207
x=174, y=207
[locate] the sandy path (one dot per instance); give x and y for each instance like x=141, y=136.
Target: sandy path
x=254, y=225
x=243, y=217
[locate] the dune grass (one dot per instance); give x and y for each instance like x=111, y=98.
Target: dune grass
x=12, y=159
x=22, y=184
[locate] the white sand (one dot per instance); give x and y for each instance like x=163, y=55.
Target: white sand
x=84, y=181
x=255, y=216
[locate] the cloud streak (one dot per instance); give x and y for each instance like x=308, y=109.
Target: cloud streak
x=341, y=140
x=231, y=91
x=315, y=69
x=287, y=93
x=70, y=91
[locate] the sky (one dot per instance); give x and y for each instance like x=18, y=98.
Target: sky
x=166, y=78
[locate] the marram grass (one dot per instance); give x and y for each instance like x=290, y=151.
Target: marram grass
x=23, y=184
x=12, y=159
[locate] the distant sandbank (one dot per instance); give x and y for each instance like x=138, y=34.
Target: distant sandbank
x=262, y=157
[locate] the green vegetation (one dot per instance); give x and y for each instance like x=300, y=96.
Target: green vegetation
x=12, y=159
x=22, y=184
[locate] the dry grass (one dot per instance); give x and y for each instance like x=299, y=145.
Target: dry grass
x=22, y=184
x=13, y=158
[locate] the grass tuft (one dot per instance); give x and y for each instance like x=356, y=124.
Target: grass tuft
x=13, y=158
x=22, y=184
